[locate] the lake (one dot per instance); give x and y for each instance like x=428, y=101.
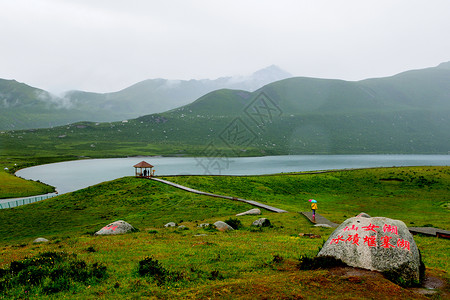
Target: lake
x=74, y=175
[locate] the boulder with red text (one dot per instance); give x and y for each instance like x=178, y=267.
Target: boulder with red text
x=377, y=244
x=117, y=227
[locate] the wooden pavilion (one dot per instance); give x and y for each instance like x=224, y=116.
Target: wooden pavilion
x=143, y=169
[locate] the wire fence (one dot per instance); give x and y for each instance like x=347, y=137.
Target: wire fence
x=22, y=201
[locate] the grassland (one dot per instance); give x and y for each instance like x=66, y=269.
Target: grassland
x=14, y=187
x=247, y=263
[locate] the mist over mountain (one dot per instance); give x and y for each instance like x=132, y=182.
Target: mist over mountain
x=405, y=113
x=27, y=107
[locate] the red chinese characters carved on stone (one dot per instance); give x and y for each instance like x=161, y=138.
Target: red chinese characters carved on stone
x=370, y=227
x=390, y=228
x=112, y=227
x=354, y=238
x=385, y=242
x=401, y=243
x=351, y=228
x=340, y=238
x=370, y=241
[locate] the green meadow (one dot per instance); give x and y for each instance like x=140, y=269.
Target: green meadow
x=202, y=263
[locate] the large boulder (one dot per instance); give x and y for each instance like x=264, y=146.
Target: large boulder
x=377, y=244
x=222, y=226
x=254, y=211
x=117, y=227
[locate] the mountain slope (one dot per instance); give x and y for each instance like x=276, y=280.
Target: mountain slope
x=405, y=113
x=23, y=106
x=159, y=95
x=19, y=101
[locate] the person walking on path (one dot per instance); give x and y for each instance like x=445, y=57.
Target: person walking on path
x=313, y=208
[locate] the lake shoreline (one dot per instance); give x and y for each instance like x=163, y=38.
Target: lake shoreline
x=73, y=175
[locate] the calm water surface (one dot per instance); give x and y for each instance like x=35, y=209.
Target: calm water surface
x=75, y=175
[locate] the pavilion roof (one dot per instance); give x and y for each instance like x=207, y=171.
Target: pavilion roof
x=143, y=164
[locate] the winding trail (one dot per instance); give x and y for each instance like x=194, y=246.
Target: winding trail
x=319, y=219
x=251, y=202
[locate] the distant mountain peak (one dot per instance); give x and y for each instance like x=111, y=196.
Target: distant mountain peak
x=273, y=71
x=444, y=65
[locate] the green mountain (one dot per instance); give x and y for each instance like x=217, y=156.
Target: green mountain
x=25, y=107
x=405, y=113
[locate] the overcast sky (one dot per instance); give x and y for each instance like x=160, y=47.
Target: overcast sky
x=107, y=45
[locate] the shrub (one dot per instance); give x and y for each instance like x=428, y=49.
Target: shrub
x=277, y=259
x=235, y=223
x=215, y=275
x=91, y=249
x=150, y=267
x=49, y=272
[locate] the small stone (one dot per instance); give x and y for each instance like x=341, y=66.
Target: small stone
x=254, y=211
x=222, y=226
x=203, y=225
x=170, y=224
x=310, y=235
x=40, y=240
x=323, y=225
x=314, y=236
x=263, y=222
x=183, y=227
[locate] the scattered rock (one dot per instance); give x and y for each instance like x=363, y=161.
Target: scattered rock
x=364, y=215
x=117, y=227
x=377, y=244
x=200, y=234
x=170, y=224
x=183, y=227
x=40, y=240
x=202, y=244
x=254, y=211
x=263, y=222
x=222, y=226
x=310, y=235
x=323, y=225
x=203, y=225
